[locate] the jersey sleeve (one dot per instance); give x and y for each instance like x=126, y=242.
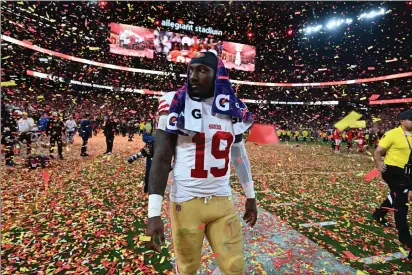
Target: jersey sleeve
x=164, y=102
x=239, y=126
x=386, y=140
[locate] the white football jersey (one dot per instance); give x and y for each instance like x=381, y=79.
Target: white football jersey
x=165, y=101
x=164, y=104
x=202, y=162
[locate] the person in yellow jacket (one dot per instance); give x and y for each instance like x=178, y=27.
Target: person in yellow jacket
x=296, y=135
x=396, y=168
x=305, y=134
x=288, y=134
x=141, y=128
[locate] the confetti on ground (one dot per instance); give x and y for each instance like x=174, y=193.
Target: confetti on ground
x=318, y=224
x=383, y=258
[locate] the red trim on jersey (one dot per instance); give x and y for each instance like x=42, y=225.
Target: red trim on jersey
x=164, y=107
x=223, y=77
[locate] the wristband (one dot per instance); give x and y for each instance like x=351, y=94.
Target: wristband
x=155, y=205
x=249, y=190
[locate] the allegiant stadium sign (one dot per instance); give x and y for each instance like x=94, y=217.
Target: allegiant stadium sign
x=190, y=27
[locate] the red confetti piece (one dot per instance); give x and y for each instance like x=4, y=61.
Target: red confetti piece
x=46, y=177
x=374, y=97
x=350, y=255
x=372, y=174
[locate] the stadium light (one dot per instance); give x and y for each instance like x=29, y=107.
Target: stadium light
x=102, y=4
x=336, y=23
x=372, y=14
x=310, y=30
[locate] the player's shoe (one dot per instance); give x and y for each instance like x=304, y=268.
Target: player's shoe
x=381, y=220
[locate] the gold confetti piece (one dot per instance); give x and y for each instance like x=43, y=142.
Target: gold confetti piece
x=403, y=251
x=163, y=259
x=145, y=238
x=94, y=48
x=8, y=83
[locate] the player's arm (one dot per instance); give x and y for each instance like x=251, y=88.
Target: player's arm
x=164, y=148
x=378, y=154
x=380, y=151
x=241, y=163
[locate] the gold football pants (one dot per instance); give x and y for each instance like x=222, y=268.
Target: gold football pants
x=217, y=219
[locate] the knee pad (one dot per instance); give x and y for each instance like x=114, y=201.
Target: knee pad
x=233, y=265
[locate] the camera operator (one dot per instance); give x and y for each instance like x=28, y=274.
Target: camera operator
x=396, y=146
x=146, y=152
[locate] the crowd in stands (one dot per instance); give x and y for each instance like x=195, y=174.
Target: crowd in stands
x=283, y=52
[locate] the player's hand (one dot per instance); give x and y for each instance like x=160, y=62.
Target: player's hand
x=410, y=196
x=155, y=228
x=381, y=166
x=251, y=212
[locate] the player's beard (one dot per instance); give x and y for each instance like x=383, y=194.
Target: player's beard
x=200, y=96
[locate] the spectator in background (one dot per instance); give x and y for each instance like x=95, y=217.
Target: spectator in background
x=109, y=131
x=123, y=128
x=85, y=132
x=71, y=126
x=55, y=130
x=25, y=125
x=42, y=123
x=148, y=128
x=141, y=128
x=305, y=134
x=131, y=129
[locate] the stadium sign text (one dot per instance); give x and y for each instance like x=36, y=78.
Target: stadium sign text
x=190, y=27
